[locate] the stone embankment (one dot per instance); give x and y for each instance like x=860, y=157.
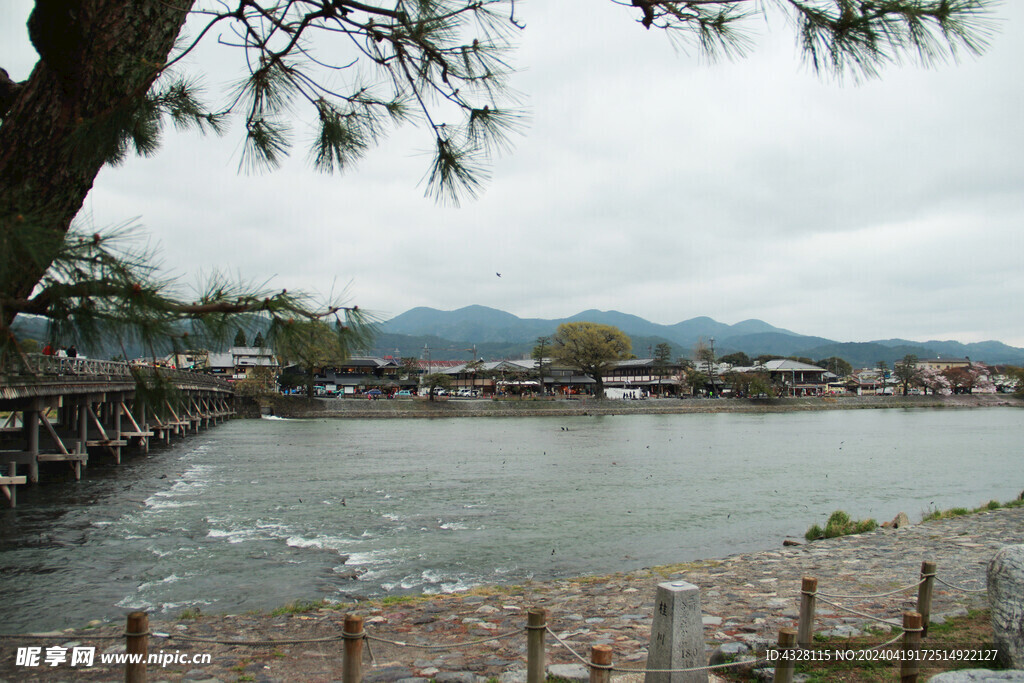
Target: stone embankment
x=299, y=407
x=745, y=600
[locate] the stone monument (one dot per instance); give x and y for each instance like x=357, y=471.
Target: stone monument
x=677, y=635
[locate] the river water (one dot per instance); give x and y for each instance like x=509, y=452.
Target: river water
x=254, y=514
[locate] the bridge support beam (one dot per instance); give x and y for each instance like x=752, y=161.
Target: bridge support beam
x=88, y=404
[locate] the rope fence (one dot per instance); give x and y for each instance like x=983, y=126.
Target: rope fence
x=785, y=654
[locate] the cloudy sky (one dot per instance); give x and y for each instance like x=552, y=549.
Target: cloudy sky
x=648, y=182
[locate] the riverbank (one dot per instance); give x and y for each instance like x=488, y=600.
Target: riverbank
x=745, y=600
x=300, y=407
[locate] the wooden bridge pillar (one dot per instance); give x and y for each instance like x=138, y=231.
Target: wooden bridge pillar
x=84, y=404
x=30, y=418
x=115, y=407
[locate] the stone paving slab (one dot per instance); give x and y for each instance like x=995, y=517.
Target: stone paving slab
x=745, y=599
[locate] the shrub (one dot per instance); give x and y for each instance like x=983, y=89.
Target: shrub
x=840, y=524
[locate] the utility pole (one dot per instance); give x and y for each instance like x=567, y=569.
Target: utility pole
x=711, y=368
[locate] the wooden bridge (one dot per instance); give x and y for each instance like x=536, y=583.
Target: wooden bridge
x=55, y=409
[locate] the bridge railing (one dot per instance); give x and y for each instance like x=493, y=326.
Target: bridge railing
x=35, y=366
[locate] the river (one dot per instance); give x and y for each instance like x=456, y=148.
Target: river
x=254, y=514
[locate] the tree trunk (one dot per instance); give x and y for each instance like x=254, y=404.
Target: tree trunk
x=97, y=58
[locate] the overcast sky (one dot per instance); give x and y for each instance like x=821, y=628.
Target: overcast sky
x=647, y=182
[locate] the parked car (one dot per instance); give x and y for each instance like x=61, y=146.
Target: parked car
x=404, y=393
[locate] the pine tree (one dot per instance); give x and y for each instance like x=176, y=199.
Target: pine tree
x=106, y=82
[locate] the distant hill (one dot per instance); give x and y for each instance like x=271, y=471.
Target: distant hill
x=482, y=324
x=498, y=334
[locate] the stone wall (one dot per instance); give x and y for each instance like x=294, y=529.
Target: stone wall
x=300, y=407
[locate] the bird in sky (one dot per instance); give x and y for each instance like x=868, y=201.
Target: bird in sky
x=498, y=274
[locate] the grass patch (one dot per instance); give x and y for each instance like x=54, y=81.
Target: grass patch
x=960, y=512
x=840, y=524
x=189, y=613
x=667, y=570
x=299, y=607
x=401, y=599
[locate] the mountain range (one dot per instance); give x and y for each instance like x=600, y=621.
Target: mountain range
x=493, y=334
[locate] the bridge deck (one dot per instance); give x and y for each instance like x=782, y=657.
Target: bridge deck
x=82, y=404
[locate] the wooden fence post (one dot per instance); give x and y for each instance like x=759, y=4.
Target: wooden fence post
x=536, y=626
x=808, y=601
x=910, y=667
x=352, y=662
x=136, y=633
x=784, y=666
x=600, y=664
x=924, y=595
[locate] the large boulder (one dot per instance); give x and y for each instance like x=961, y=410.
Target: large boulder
x=1006, y=598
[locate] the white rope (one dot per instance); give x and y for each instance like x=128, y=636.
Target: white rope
x=863, y=614
x=567, y=646
x=888, y=642
x=401, y=643
x=965, y=590
x=866, y=597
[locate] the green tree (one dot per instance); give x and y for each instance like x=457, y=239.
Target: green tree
x=591, y=348
x=704, y=356
x=312, y=344
x=257, y=341
x=737, y=359
x=108, y=79
x=259, y=382
x=662, y=357
x=410, y=367
x=836, y=365
x=435, y=381
x=695, y=379
x=240, y=337
x=749, y=384
x=907, y=372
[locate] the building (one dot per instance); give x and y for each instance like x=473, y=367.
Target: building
x=362, y=373
x=799, y=379
x=940, y=364
x=646, y=374
x=242, y=362
x=188, y=360
x=521, y=376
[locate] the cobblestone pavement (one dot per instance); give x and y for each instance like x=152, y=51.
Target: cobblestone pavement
x=745, y=599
